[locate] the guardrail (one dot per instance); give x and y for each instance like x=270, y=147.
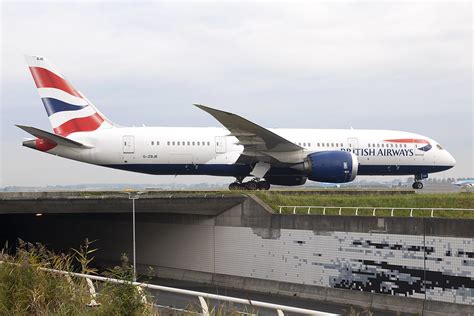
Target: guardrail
x=356, y=209
x=202, y=296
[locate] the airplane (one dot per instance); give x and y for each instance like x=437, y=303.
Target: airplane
x=465, y=184
x=241, y=149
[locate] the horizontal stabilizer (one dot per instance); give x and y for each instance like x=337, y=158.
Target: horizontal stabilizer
x=50, y=137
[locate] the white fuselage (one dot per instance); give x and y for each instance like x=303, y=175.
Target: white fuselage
x=188, y=150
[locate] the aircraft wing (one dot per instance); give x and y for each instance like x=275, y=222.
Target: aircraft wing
x=56, y=139
x=253, y=137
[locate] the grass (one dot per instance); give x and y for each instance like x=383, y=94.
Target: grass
x=446, y=200
x=26, y=288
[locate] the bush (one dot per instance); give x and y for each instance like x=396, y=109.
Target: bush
x=27, y=288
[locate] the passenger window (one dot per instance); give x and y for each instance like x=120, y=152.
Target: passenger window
x=332, y=144
x=322, y=144
x=152, y=143
x=198, y=143
x=194, y=143
x=168, y=143
x=208, y=143
x=172, y=143
x=309, y=144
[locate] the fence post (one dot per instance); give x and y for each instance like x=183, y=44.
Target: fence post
x=432, y=212
x=309, y=210
x=294, y=210
x=391, y=214
x=92, y=293
x=411, y=213
x=340, y=211
x=357, y=211
x=374, y=212
x=140, y=290
x=205, y=308
x=280, y=209
x=324, y=211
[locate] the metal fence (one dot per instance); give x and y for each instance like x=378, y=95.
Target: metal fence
x=202, y=296
x=355, y=209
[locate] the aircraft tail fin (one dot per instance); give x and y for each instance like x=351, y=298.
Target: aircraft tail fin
x=69, y=111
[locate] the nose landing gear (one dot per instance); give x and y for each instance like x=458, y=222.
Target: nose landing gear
x=251, y=185
x=418, y=185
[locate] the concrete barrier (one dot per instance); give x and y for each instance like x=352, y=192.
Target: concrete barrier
x=237, y=241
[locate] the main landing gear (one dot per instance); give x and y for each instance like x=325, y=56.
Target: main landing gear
x=418, y=185
x=251, y=185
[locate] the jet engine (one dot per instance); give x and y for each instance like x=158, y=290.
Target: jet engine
x=331, y=166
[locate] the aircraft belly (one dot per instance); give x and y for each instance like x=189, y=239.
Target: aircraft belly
x=185, y=169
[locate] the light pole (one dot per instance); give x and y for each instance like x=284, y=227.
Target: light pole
x=134, y=196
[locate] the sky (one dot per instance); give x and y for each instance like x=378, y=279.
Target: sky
x=398, y=65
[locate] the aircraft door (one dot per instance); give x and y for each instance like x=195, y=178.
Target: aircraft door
x=128, y=144
x=220, y=144
x=353, y=143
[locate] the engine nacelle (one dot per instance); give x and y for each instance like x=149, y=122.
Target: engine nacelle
x=332, y=166
x=286, y=180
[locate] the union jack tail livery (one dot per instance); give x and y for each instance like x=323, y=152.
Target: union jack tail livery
x=69, y=111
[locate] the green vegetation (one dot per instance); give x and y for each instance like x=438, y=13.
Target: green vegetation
x=447, y=200
x=26, y=288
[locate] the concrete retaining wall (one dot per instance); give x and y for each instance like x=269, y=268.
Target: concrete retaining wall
x=410, y=265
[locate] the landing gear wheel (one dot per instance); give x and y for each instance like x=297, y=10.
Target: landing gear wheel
x=234, y=186
x=264, y=185
x=251, y=185
x=417, y=185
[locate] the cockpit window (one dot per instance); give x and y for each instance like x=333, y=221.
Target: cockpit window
x=439, y=147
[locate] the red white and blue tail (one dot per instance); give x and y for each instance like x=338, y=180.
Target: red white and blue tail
x=68, y=110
